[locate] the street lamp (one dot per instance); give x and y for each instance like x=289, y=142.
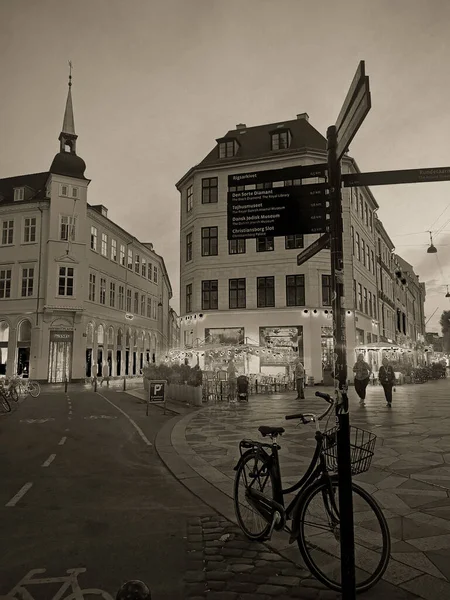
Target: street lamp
x=432, y=248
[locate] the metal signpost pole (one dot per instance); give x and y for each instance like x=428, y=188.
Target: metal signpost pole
x=340, y=365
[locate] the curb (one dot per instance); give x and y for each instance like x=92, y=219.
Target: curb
x=217, y=490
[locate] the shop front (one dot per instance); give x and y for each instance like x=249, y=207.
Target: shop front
x=60, y=356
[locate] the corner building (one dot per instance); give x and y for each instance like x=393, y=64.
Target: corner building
x=252, y=290
x=76, y=289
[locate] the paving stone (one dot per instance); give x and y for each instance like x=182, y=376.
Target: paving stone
x=195, y=589
x=231, y=552
x=194, y=546
x=217, y=585
x=241, y=587
x=237, y=544
x=215, y=561
x=240, y=568
x=195, y=538
x=213, y=544
x=194, y=576
x=249, y=553
x=269, y=556
x=253, y=597
x=221, y=595
x=220, y=576
x=304, y=593
x=271, y=590
x=328, y=595
x=283, y=580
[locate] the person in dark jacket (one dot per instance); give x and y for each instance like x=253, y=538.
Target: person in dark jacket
x=362, y=372
x=386, y=377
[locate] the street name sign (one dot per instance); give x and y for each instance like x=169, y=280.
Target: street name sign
x=393, y=177
x=272, y=175
x=354, y=118
x=278, y=211
x=320, y=244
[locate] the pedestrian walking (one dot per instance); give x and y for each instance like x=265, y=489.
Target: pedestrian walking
x=386, y=377
x=105, y=374
x=362, y=373
x=299, y=371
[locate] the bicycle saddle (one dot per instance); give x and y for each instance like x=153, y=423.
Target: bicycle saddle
x=268, y=430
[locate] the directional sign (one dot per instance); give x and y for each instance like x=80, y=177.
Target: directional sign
x=313, y=249
x=354, y=118
x=355, y=85
x=393, y=177
x=285, y=174
x=277, y=211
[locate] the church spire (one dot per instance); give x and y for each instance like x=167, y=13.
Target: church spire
x=68, y=122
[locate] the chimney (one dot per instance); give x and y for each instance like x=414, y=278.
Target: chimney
x=241, y=126
x=303, y=116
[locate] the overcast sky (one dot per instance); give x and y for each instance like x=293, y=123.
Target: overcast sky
x=155, y=82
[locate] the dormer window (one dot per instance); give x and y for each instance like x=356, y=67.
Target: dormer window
x=19, y=194
x=74, y=192
x=228, y=148
x=281, y=140
x=64, y=190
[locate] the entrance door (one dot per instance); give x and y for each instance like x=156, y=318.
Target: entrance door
x=88, y=362
x=134, y=363
x=118, y=362
x=59, y=362
x=99, y=362
x=110, y=363
x=141, y=361
x=127, y=362
x=23, y=362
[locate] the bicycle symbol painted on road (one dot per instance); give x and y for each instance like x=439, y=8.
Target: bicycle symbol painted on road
x=19, y=592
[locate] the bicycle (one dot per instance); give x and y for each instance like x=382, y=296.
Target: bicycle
x=317, y=490
x=4, y=402
x=25, y=386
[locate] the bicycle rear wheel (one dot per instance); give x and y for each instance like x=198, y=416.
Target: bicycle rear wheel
x=253, y=472
x=319, y=539
x=13, y=394
x=34, y=389
x=4, y=403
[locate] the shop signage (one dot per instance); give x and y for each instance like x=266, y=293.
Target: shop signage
x=393, y=177
x=61, y=336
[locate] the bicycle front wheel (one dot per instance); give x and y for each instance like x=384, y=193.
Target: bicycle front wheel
x=319, y=539
x=253, y=472
x=34, y=389
x=4, y=403
x=14, y=393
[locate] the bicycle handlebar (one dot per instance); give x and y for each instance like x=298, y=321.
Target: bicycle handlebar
x=311, y=417
x=324, y=396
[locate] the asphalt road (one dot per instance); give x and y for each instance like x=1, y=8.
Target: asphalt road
x=100, y=498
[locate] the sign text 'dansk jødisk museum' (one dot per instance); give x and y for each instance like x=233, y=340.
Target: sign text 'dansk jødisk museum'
x=277, y=211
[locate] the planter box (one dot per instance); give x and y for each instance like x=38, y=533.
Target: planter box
x=185, y=393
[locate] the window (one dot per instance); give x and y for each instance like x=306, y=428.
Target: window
x=374, y=301
x=366, y=310
x=293, y=242
x=295, y=290
x=74, y=192
x=143, y=306
x=149, y=308
x=210, y=295
x=367, y=256
x=355, y=300
x=114, y=250
x=236, y=293
x=136, y=303
x=326, y=290
x=104, y=249
x=370, y=303
x=265, y=292
x=130, y=259
x=64, y=190
x=129, y=301
x=361, y=207
x=264, y=244
x=366, y=216
x=27, y=281
x=236, y=246
x=7, y=232
x=227, y=149
x=189, y=297
x=94, y=235
x=154, y=308
x=5, y=283
x=122, y=255
x=19, y=194
x=363, y=252
x=155, y=274
x=121, y=297
x=209, y=190
x=102, y=290
x=371, y=220
x=92, y=287
x=360, y=302
x=209, y=241
x=358, y=249
x=137, y=263
x=188, y=247
x=352, y=236
x=372, y=256
x=189, y=198
x=67, y=228
x=280, y=141
x=144, y=267
x=112, y=294
x=29, y=230
x=149, y=271
x=66, y=281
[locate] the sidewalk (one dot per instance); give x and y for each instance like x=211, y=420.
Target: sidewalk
x=409, y=477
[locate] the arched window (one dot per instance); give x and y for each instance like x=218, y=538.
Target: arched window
x=67, y=146
x=4, y=331
x=24, y=332
x=127, y=339
x=90, y=334
x=100, y=335
x=119, y=337
x=111, y=335
x=135, y=338
x=140, y=341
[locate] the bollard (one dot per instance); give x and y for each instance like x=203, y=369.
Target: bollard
x=256, y=386
x=95, y=383
x=124, y=383
x=65, y=385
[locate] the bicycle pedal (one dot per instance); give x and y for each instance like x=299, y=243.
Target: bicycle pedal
x=275, y=521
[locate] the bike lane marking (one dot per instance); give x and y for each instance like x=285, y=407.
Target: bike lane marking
x=135, y=425
x=62, y=441
x=49, y=460
x=20, y=494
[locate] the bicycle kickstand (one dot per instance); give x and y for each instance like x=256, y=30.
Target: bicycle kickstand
x=276, y=519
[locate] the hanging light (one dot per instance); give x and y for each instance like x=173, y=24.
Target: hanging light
x=432, y=249
x=447, y=295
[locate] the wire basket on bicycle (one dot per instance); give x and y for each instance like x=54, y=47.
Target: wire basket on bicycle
x=362, y=447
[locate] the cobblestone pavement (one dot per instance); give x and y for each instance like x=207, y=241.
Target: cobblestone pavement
x=224, y=565
x=409, y=477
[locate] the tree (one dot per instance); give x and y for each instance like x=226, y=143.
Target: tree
x=445, y=327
